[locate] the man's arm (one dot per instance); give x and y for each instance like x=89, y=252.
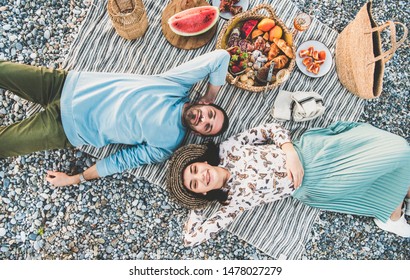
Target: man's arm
x=60, y=179
x=215, y=64
x=125, y=159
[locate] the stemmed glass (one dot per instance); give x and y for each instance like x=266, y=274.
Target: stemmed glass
x=301, y=22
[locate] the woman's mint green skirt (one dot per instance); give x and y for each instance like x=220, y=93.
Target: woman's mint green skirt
x=354, y=168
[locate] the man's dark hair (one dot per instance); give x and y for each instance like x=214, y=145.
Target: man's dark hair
x=225, y=124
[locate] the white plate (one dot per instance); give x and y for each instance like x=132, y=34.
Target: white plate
x=318, y=46
x=227, y=15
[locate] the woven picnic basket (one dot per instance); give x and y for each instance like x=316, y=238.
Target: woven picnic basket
x=255, y=13
x=128, y=17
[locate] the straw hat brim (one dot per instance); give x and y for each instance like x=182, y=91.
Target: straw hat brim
x=181, y=158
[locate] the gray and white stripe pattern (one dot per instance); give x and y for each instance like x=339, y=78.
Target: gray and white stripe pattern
x=279, y=228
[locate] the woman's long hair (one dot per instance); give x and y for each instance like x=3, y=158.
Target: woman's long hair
x=212, y=157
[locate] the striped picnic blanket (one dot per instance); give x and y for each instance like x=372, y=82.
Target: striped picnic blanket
x=281, y=228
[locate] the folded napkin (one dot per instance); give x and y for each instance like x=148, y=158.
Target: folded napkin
x=297, y=106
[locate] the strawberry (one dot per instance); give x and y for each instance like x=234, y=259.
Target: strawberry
x=243, y=64
x=236, y=69
x=243, y=56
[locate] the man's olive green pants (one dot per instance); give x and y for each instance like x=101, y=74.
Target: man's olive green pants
x=43, y=130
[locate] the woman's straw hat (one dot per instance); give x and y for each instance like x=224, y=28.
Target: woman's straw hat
x=181, y=159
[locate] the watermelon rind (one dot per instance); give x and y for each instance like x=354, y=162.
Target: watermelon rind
x=194, y=18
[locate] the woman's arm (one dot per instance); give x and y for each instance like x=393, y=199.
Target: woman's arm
x=198, y=230
x=293, y=165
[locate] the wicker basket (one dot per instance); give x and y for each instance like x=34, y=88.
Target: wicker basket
x=128, y=17
x=232, y=23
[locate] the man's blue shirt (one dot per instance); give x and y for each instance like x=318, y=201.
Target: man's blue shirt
x=144, y=112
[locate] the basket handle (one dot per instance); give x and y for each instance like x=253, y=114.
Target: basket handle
x=266, y=7
x=234, y=80
x=387, y=55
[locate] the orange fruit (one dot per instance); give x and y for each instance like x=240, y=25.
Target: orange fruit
x=275, y=32
x=288, y=39
x=266, y=24
x=256, y=33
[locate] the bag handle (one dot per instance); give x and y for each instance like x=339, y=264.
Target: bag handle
x=387, y=55
x=266, y=7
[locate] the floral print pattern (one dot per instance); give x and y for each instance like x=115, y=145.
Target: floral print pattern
x=258, y=176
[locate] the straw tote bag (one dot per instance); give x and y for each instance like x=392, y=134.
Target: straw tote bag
x=359, y=57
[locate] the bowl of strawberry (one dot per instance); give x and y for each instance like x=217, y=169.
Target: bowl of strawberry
x=238, y=62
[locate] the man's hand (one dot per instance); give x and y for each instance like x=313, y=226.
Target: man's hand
x=60, y=179
x=206, y=100
x=210, y=95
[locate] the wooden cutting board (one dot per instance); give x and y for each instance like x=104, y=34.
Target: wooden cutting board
x=184, y=42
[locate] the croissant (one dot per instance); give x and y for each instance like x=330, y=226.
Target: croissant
x=284, y=47
x=273, y=51
x=280, y=62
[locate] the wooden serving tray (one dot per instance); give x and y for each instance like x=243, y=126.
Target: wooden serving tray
x=184, y=42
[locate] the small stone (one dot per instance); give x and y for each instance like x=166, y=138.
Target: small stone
x=3, y=232
x=6, y=183
x=36, y=245
x=23, y=236
x=32, y=236
x=48, y=206
x=109, y=249
x=12, y=38
x=47, y=34
x=19, y=216
x=140, y=255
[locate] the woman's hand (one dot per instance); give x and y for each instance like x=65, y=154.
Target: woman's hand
x=60, y=179
x=294, y=167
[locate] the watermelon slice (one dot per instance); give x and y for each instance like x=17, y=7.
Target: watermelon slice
x=194, y=21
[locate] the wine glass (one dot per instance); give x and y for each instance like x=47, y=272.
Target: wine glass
x=301, y=22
